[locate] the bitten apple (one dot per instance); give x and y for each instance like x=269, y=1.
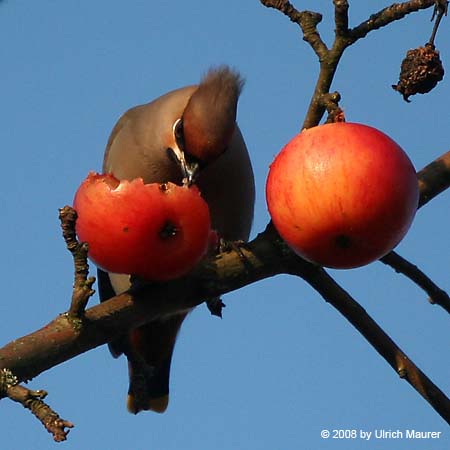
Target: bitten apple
x=342, y=195
x=156, y=231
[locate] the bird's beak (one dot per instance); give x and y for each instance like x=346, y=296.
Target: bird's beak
x=191, y=171
x=189, y=167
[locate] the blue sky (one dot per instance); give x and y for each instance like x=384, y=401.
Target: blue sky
x=282, y=365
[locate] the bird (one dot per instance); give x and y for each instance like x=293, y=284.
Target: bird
x=186, y=135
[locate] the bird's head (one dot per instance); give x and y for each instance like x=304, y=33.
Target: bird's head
x=208, y=122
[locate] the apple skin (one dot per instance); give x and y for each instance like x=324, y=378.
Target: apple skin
x=342, y=195
x=158, y=232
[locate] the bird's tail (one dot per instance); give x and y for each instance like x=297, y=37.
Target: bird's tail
x=149, y=359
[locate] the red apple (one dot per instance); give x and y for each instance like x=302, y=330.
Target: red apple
x=156, y=231
x=342, y=195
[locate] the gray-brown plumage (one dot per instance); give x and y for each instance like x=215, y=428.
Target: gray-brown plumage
x=189, y=132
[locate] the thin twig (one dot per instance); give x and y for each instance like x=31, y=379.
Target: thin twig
x=440, y=9
x=331, y=103
x=433, y=179
x=388, y=15
x=341, y=17
x=33, y=400
x=82, y=287
x=401, y=265
x=307, y=20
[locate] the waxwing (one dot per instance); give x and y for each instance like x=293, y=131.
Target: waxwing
x=187, y=133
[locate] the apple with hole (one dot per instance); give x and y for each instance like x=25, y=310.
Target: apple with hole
x=342, y=195
x=156, y=231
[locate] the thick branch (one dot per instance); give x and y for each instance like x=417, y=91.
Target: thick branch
x=60, y=340
x=434, y=179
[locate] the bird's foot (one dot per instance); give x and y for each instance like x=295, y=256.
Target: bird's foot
x=236, y=246
x=231, y=246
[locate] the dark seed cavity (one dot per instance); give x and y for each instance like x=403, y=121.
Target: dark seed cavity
x=169, y=230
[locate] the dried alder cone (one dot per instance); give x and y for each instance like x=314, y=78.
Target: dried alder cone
x=420, y=71
x=342, y=194
x=156, y=231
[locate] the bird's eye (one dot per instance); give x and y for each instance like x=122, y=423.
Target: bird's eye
x=179, y=132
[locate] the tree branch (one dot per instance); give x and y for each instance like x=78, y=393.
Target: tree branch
x=401, y=265
x=82, y=287
x=344, y=37
x=306, y=20
x=434, y=179
x=341, y=17
x=61, y=340
x=266, y=255
x=33, y=400
x=383, y=344
x=440, y=10
x=331, y=103
x=388, y=15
